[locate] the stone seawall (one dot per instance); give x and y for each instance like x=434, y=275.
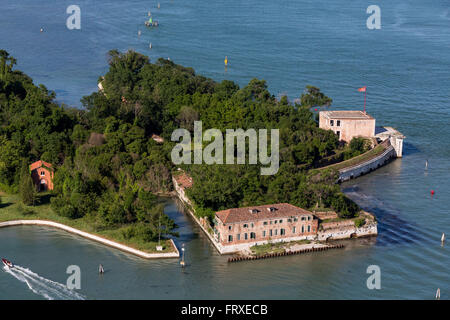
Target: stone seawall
x=334, y=231
x=348, y=232
x=368, y=166
x=90, y=236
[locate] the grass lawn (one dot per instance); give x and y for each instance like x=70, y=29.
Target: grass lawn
x=11, y=208
x=379, y=149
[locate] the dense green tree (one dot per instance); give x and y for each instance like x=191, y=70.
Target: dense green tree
x=27, y=189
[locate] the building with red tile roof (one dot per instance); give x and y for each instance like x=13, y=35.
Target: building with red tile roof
x=42, y=174
x=182, y=181
x=255, y=224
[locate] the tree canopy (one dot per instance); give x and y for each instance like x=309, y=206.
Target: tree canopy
x=108, y=167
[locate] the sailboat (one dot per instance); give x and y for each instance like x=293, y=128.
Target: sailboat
x=151, y=23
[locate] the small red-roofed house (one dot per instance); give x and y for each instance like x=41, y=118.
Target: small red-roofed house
x=42, y=174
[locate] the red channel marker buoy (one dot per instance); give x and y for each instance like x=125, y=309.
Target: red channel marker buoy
x=432, y=192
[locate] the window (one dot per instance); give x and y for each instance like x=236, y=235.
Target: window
x=245, y=236
x=276, y=221
x=289, y=220
x=239, y=236
x=252, y=235
x=282, y=232
x=303, y=218
x=229, y=227
x=253, y=225
x=303, y=229
x=270, y=221
x=264, y=233
x=42, y=173
x=338, y=134
x=309, y=228
x=338, y=123
x=270, y=232
x=293, y=230
x=245, y=225
x=309, y=218
x=265, y=223
x=331, y=122
x=230, y=238
x=281, y=221
x=276, y=231
x=295, y=219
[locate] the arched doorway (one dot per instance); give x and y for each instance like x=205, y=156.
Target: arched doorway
x=43, y=185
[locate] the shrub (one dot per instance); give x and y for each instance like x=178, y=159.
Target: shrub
x=360, y=222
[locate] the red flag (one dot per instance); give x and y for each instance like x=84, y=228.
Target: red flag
x=363, y=89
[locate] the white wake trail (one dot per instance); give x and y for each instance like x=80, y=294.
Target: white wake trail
x=46, y=288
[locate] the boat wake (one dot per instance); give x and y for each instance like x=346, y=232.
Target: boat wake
x=46, y=288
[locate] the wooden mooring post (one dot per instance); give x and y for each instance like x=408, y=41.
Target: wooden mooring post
x=286, y=253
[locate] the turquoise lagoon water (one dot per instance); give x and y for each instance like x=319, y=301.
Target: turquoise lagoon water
x=405, y=66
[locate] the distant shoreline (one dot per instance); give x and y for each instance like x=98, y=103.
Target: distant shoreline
x=92, y=237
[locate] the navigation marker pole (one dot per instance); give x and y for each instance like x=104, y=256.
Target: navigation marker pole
x=182, y=256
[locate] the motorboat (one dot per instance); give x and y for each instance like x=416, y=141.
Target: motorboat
x=7, y=263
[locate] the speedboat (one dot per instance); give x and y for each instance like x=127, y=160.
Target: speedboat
x=7, y=263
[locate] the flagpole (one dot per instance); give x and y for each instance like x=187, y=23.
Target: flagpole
x=365, y=92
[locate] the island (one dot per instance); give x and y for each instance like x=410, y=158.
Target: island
x=100, y=168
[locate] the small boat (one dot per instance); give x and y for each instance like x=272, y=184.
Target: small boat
x=151, y=23
x=100, y=269
x=7, y=263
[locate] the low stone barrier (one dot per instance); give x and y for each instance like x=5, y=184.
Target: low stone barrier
x=90, y=236
x=368, y=166
x=286, y=253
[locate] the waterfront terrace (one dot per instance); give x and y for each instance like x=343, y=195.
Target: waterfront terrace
x=260, y=224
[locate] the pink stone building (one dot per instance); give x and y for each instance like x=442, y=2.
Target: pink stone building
x=259, y=224
x=348, y=124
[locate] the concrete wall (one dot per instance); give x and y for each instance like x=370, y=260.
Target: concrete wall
x=348, y=232
x=394, y=136
x=90, y=236
x=368, y=166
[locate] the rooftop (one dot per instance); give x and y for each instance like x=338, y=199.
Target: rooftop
x=270, y=211
x=183, y=180
x=350, y=114
x=40, y=164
